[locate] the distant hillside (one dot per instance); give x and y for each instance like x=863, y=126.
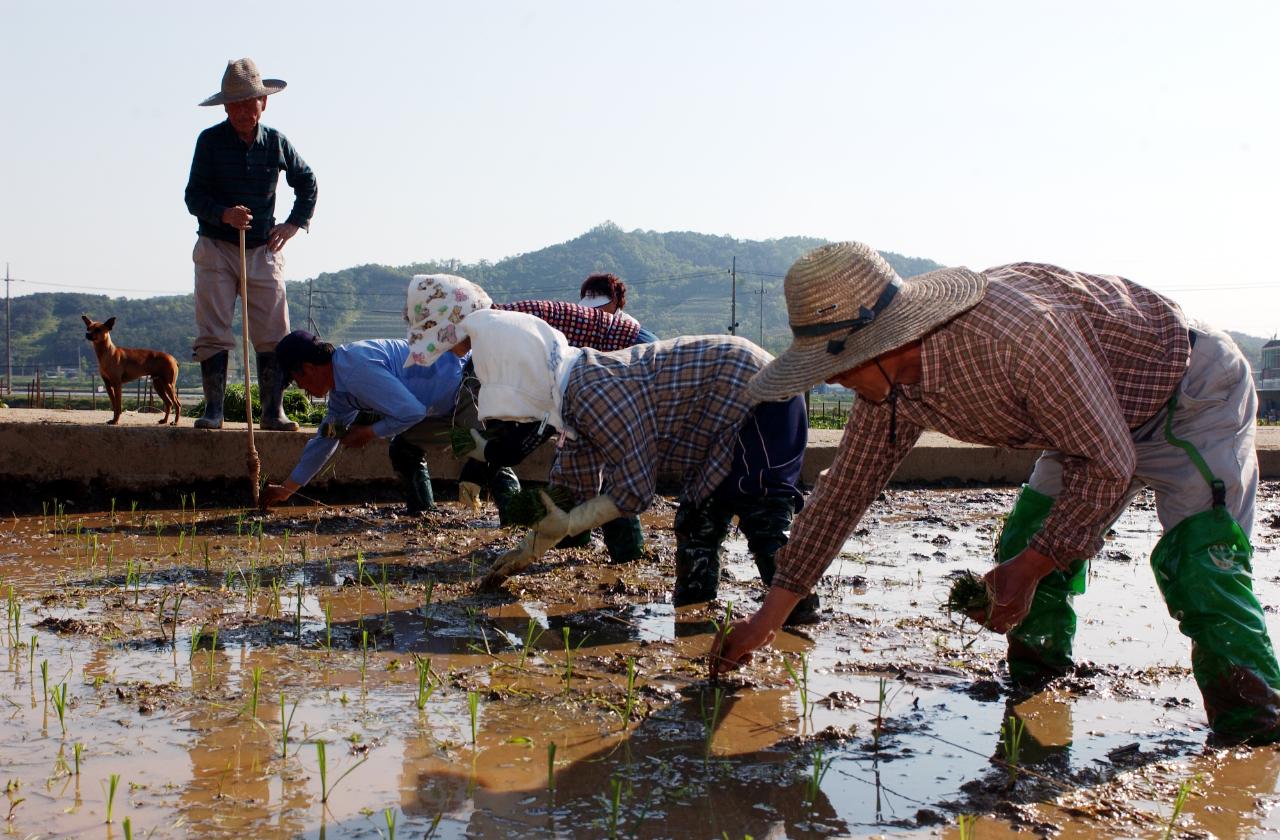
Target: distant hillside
x=678, y=284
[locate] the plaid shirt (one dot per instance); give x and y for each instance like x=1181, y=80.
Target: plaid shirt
x=1049, y=359
x=671, y=406
x=584, y=326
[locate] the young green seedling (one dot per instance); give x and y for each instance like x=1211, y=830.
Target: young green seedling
x=813, y=782
x=59, y=697
x=325, y=789
x=473, y=709
x=801, y=679
x=532, y=633
x=551, y=769
x=710, y=720
x=630, y=704
x=1011, y=732
x=285, y=725
x=255, y=682
x=112, y=783
x=77, y=752
x=425, y=686
x=390, y=817
x=1179, y=802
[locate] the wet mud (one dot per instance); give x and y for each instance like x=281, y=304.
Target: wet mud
x=333, y=671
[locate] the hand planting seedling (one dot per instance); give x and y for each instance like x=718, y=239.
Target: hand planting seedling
x=968, y=595
x=526, y=508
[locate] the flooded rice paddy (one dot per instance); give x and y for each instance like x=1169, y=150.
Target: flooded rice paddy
x=333, y=672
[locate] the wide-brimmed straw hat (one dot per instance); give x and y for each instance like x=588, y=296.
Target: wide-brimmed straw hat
x=435, y=305
x=847, y=306
x=243, y=81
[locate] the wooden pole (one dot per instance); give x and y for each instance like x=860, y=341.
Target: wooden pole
x=254, y=465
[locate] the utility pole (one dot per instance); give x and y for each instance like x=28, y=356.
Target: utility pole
x=761, y=310
x=8, y=343
x=733, y=304
x=311, y=325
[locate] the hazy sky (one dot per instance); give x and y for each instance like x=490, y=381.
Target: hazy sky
x=1138, y=138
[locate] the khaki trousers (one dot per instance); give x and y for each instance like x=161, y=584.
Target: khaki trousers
x=217, y=268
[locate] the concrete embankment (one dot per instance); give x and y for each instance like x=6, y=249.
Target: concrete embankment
x=39, y=447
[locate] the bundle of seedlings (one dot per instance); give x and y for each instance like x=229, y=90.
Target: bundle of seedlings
x=526, y=508
x=460, y=440
x=968, y=594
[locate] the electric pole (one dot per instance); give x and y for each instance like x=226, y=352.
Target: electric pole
x=733, y=300
x=8, y=343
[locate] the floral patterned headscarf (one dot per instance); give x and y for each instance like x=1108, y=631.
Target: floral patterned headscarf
x=434, y=309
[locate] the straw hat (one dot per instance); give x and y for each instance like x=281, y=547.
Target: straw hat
x=847, y=306
x=243, y=81
x=435, y=305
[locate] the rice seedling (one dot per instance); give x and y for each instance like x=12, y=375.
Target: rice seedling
x=710, y=719
x=532, y=633
x=113, y=782
x=384, y=590
x=1011, y=732
x=128, y=829
x=325, y=788
x=285, y=725
x=59, y=697
x=255, y=683
x=274, y=606
x=364, y=653
x=882, y=705
x=390, y=816
x=614, y=803
x=31, y=655
x=1179, y=802
x=298, y=624
x=460, y=440
x=425, y=686
x=965, y=825
x=473, y=710
x=525, y=509
x=113, y=508
x=360, y=568
x=813, y=781
x=77, y=752
x=551, y=769
x=44, y=679
x=213, y=646
x=801, y=679
x=630, y=704
x=328, y=627
x=968, y=594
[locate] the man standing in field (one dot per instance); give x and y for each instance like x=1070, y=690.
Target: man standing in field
x=232, y=188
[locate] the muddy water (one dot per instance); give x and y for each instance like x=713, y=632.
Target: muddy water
x=340, y=610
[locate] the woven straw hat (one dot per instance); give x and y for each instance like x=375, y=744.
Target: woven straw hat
x=847, y=306
x=243, y=81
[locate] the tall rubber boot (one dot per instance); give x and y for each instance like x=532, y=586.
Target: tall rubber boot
x=410, y=464
x=1040, y=647
x=624, y=538
x=503, y=487
x=1203, y=568
x=271, y=390
x=764, y=522
x=213, y=379
x=700, y=531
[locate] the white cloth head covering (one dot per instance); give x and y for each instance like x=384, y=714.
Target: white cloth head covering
x=522, y=363
x=434, y=308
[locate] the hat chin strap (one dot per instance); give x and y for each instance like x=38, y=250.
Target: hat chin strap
x=892, y=398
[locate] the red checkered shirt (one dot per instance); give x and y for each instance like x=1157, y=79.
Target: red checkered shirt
x=584, y=326
x=1048, y=359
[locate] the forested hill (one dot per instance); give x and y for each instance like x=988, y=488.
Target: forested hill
x=678, y=284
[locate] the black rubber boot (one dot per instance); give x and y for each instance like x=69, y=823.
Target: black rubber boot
x=624, y=539
x=271, y=391
x=213, y=379
x=410, y=464
x=700, y=531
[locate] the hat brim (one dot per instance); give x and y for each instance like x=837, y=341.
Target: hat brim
x=923, y=304
x=269, y=86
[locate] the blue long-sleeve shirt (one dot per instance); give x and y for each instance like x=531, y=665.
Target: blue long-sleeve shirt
x=371, y=376
x=225, y=171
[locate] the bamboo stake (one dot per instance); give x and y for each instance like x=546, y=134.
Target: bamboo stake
x=251, y=460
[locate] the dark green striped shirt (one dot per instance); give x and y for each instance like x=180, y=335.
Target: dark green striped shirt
x=225, y=172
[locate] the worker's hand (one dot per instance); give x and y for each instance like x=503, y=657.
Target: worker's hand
x=357, y=436
x=238, y=217
x=733, y=648
x=555, y=525
x=469, y=495
x=530, y=548
x=281, y=234
x=481, y=442
x=1011, y=586
x=274, y=494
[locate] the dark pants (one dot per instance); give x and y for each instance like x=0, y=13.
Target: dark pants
x=701, y=530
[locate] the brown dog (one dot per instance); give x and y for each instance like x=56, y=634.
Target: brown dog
x=119, y=365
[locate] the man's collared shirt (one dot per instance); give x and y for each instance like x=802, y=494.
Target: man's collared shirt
x=1048, y=359
x=226, y=172
x=582, y=325
x=669, y=407
x=370, y=376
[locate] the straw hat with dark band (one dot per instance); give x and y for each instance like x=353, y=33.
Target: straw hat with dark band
x=242, y=81
x=847, y=306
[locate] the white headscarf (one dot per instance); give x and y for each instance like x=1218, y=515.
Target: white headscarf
x=434, y=308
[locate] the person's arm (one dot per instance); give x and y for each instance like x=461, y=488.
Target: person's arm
x=298, y=175
x=315, y=454
x=378, y=389
x=199, y=192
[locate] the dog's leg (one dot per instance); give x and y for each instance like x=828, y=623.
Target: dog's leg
x=113, y=393
x=167, y=396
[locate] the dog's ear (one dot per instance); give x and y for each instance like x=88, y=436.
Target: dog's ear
x=110, y=322
x=87, y=321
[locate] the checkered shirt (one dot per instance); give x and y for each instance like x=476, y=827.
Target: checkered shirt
x=584, y=326
x=668, y=407
x=1049, y=359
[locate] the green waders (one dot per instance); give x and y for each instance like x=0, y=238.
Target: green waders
x=1040, y=647
x=410, y=464
x=1203, y=568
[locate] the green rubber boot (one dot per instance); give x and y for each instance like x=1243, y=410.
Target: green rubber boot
x=700, y=531
x=765, y=522
x=1040, y=647
x=1203, y=568
x=410, y=463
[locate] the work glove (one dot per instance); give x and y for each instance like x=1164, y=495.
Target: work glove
x=552, y=528
x=469, y=495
